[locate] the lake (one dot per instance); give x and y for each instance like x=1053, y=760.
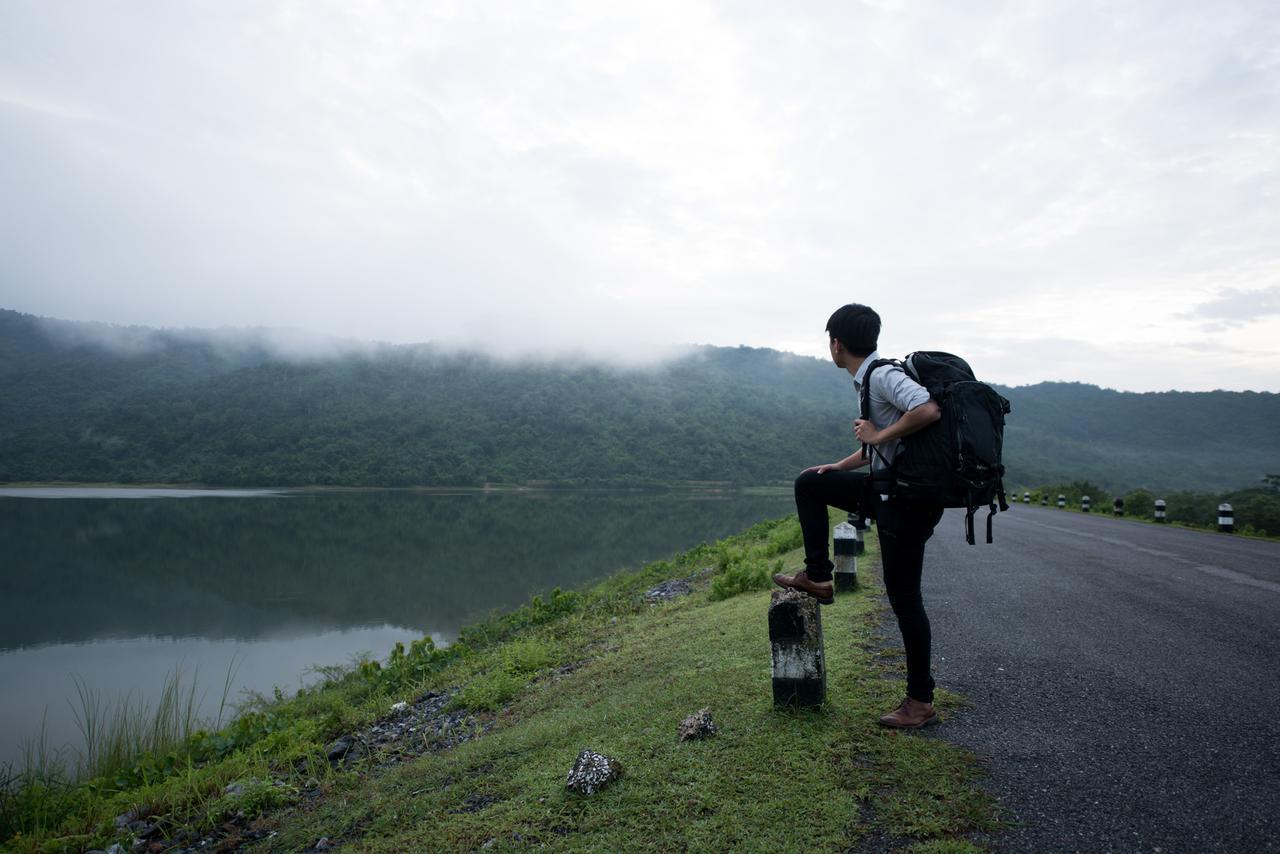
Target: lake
x=118, y=587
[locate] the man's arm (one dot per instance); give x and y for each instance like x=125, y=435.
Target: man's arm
x=911, y=421
x=853, y=461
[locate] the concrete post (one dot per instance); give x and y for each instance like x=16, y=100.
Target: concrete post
x=799, y=666
x=1044, y=499
x=1062, y=501
x=1084, y=504
x=1117, y=507
x=1226, y=518
x=847, y=540
x=1026, y=498
x=1160, y=509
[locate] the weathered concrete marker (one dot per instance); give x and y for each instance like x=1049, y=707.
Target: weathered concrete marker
x=1117, y=507
x=1160, y=509
x=1062, y=500
x=1026, y=498
x=799, y=665
x=1044, y=500
x=1084, y=504
x=1226, y=518
x=848, y=545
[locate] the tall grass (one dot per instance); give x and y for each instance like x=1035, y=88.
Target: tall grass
x=115, y=733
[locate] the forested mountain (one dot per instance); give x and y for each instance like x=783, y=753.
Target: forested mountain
x=91, y=403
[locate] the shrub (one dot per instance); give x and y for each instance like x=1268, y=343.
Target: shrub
x=490, y=690
x=742, y=574
x=527, y=655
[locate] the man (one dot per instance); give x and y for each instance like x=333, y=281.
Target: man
x=899, y=407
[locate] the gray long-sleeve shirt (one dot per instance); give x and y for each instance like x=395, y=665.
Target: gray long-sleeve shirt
x=892, y=394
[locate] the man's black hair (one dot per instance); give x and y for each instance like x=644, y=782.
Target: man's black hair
x=856, y=327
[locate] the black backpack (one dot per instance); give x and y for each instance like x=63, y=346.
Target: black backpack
x=955, y=461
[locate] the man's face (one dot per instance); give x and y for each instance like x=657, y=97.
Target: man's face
x=835, y=352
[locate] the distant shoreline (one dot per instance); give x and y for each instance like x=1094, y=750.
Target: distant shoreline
x=682, y=486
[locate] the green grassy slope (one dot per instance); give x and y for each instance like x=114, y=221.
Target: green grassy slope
x=600, y=669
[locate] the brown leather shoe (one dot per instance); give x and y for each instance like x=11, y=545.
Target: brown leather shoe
x=910, y=714
x=823, y=591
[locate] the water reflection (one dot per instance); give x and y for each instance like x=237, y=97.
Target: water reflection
x=299, y=579
x=80, y=570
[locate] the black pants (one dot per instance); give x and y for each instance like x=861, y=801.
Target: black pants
x=902, y=527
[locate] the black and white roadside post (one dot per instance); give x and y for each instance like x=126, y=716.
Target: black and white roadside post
x=795, y=634
x=1044, y=499
x=1062, y=501
x=1117, y=507
x=1026, y=498
x=1084, y=504
x=1226, y=518
x=1160, y=509
x=848, y=545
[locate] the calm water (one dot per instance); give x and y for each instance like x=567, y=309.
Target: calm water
x=119, y=587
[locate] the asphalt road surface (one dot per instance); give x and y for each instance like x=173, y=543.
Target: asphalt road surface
x=1125, y=679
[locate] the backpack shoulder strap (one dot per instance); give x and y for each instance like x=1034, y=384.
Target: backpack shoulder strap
x=865, y=409
x=864, y=403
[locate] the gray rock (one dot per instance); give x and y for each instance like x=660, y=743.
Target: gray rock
x=668, y=590
x=591, y=771
x=697, y=725
x=136, y=814
x=676, y=587
x=323, y=844
x=116, y=849
x=346, y=749
x=141, y=828
x=234, y=789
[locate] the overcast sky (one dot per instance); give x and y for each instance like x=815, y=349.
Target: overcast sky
x=1056, y=190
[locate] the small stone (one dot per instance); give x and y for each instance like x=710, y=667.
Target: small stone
x=489, y=843
x=697, y=725
x=117, y=848
x=141, y=828
x=400, y=706
x=235, y=789
x=323, y=844
x=591, y=771
x=668, y=590
x=346, y=749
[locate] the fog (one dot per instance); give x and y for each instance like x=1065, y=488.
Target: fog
x=1054, y=190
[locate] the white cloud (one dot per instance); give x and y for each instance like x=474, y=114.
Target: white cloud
x=621, y=179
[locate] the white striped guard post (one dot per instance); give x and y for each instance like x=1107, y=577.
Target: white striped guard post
x=799, y=664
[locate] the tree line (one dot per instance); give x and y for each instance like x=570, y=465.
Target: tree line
x=89, y=403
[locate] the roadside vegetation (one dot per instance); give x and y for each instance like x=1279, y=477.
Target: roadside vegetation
x=1257, y=510
x=520, y=695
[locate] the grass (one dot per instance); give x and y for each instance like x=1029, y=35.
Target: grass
x=1145, y=516
x=770, y=779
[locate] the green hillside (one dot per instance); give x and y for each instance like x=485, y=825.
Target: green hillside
x=219, y=408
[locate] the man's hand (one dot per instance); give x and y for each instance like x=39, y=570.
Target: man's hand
x=822, y=469
x=866, y=432
x=912, y=421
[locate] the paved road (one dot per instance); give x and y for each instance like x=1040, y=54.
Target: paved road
x=1125, y=679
